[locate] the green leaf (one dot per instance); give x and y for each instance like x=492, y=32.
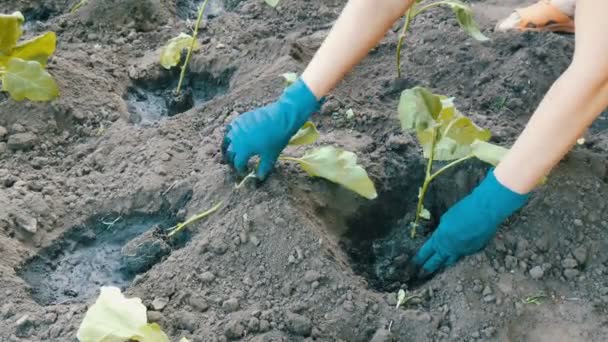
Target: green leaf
x=151, y=333
x=307, y=135
x=400, y=298
x=489, y=153
x=340, y=167
x=10, y=31
x=272, y=3
x=447, y=149
x=290, y=78
x=418, y=109
x=462, y=130
x=37, y=49
x=113, y=318
x=425, y=214
x=184, y=340
x=464, y=15
x=350, y=114
x=28, y=80
x=171, y=54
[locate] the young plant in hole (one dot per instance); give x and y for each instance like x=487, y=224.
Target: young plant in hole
x=329, y=162
x=445, y=135
x=463, y=14
x=171, y=54
x=22, y=64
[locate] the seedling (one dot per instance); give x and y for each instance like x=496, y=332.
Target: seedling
x=535, y=299
x=181, y=226
x=445, y=135
x=114, y=317
x=403, y=299
x=329, y=162
x=272, y=3
x=172, y=52
x=463, y=14
x=78, y=5
x=22, y=64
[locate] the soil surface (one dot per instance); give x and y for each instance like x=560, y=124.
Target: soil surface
x=90, y=182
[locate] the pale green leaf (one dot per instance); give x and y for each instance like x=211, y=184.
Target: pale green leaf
x=464, y=15
x=400, y=298
x=462, y=130
x=425, y=214
x=10, y=31
x=487, y=152
x=350, y=114
x=290, y=78
x=113, y=318
x=151, y=332
x=37, y=49
x=28, y=80
x=272, y=3
x=184, y=340
x=171, y=54
x=447, y=149
x=418, y=109
x=307, y=135
x=340, y=167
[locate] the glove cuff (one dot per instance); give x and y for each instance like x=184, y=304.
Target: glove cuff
x=502, y=199
x=303, y=98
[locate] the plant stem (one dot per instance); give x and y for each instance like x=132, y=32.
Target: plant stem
x=180, y=226
x=450, y=165
x=250, y=175
x=429, y=6
x=408, y=19
x=191, y=48
x=425, y=185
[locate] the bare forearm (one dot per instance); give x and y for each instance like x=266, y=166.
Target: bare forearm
x=570, y=106
x=359, y=28
x=562, y=117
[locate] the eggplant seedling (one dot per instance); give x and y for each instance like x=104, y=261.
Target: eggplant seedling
x=22, y=64
x=463, y=13
x=445, y=135
x=171, y=54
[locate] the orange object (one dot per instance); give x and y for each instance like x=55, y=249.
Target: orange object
x=543, y=16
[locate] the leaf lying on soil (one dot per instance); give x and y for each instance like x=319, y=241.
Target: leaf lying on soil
x=272, y=3
x=338, y=166
x=113, y=317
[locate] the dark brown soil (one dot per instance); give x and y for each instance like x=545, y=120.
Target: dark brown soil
x=294, y=259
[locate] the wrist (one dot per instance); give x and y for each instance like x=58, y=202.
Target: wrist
x=302, y=99
x=498, y=197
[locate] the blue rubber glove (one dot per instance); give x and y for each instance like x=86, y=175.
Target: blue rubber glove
x=266, y=131
x=469, y=225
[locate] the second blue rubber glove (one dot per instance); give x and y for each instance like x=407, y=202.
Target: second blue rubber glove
x=266, y=131
x=469, y=225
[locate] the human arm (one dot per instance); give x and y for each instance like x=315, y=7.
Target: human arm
x=266, y=131
x=568, y=108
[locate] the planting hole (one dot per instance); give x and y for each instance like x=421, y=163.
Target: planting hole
x=188, y=9
x=149, y=101
x=101, y=252
x=378, y=236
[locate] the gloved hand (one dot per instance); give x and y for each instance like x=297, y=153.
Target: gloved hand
x=469, y=225
x=266, y=131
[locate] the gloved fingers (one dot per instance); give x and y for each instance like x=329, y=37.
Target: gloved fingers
x=433, y=264
x=226, y=145
x=452, y=260
x=240, y=161
x=266, y=164
x=425, y=253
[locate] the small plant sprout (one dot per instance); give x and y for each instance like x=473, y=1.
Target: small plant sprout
x=463, y=14
x=78, y=5
x=181, y=226
x=272, y=3
x=171, y=53
x=22, y=64
x=535, y=299
x=445, y=135
x=403, y=299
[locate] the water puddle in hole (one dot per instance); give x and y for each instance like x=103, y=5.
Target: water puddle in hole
x=89, y=256
x=149, y=101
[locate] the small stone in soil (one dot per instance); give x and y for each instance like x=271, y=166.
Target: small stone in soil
x=580, y=254
x=571, y=273
x=569, y=263
x=234, y=329
x=298, y=324
x=159, y=303
x=207, y=277
x=536, y=272
x=230, y=305
x=311, y=276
